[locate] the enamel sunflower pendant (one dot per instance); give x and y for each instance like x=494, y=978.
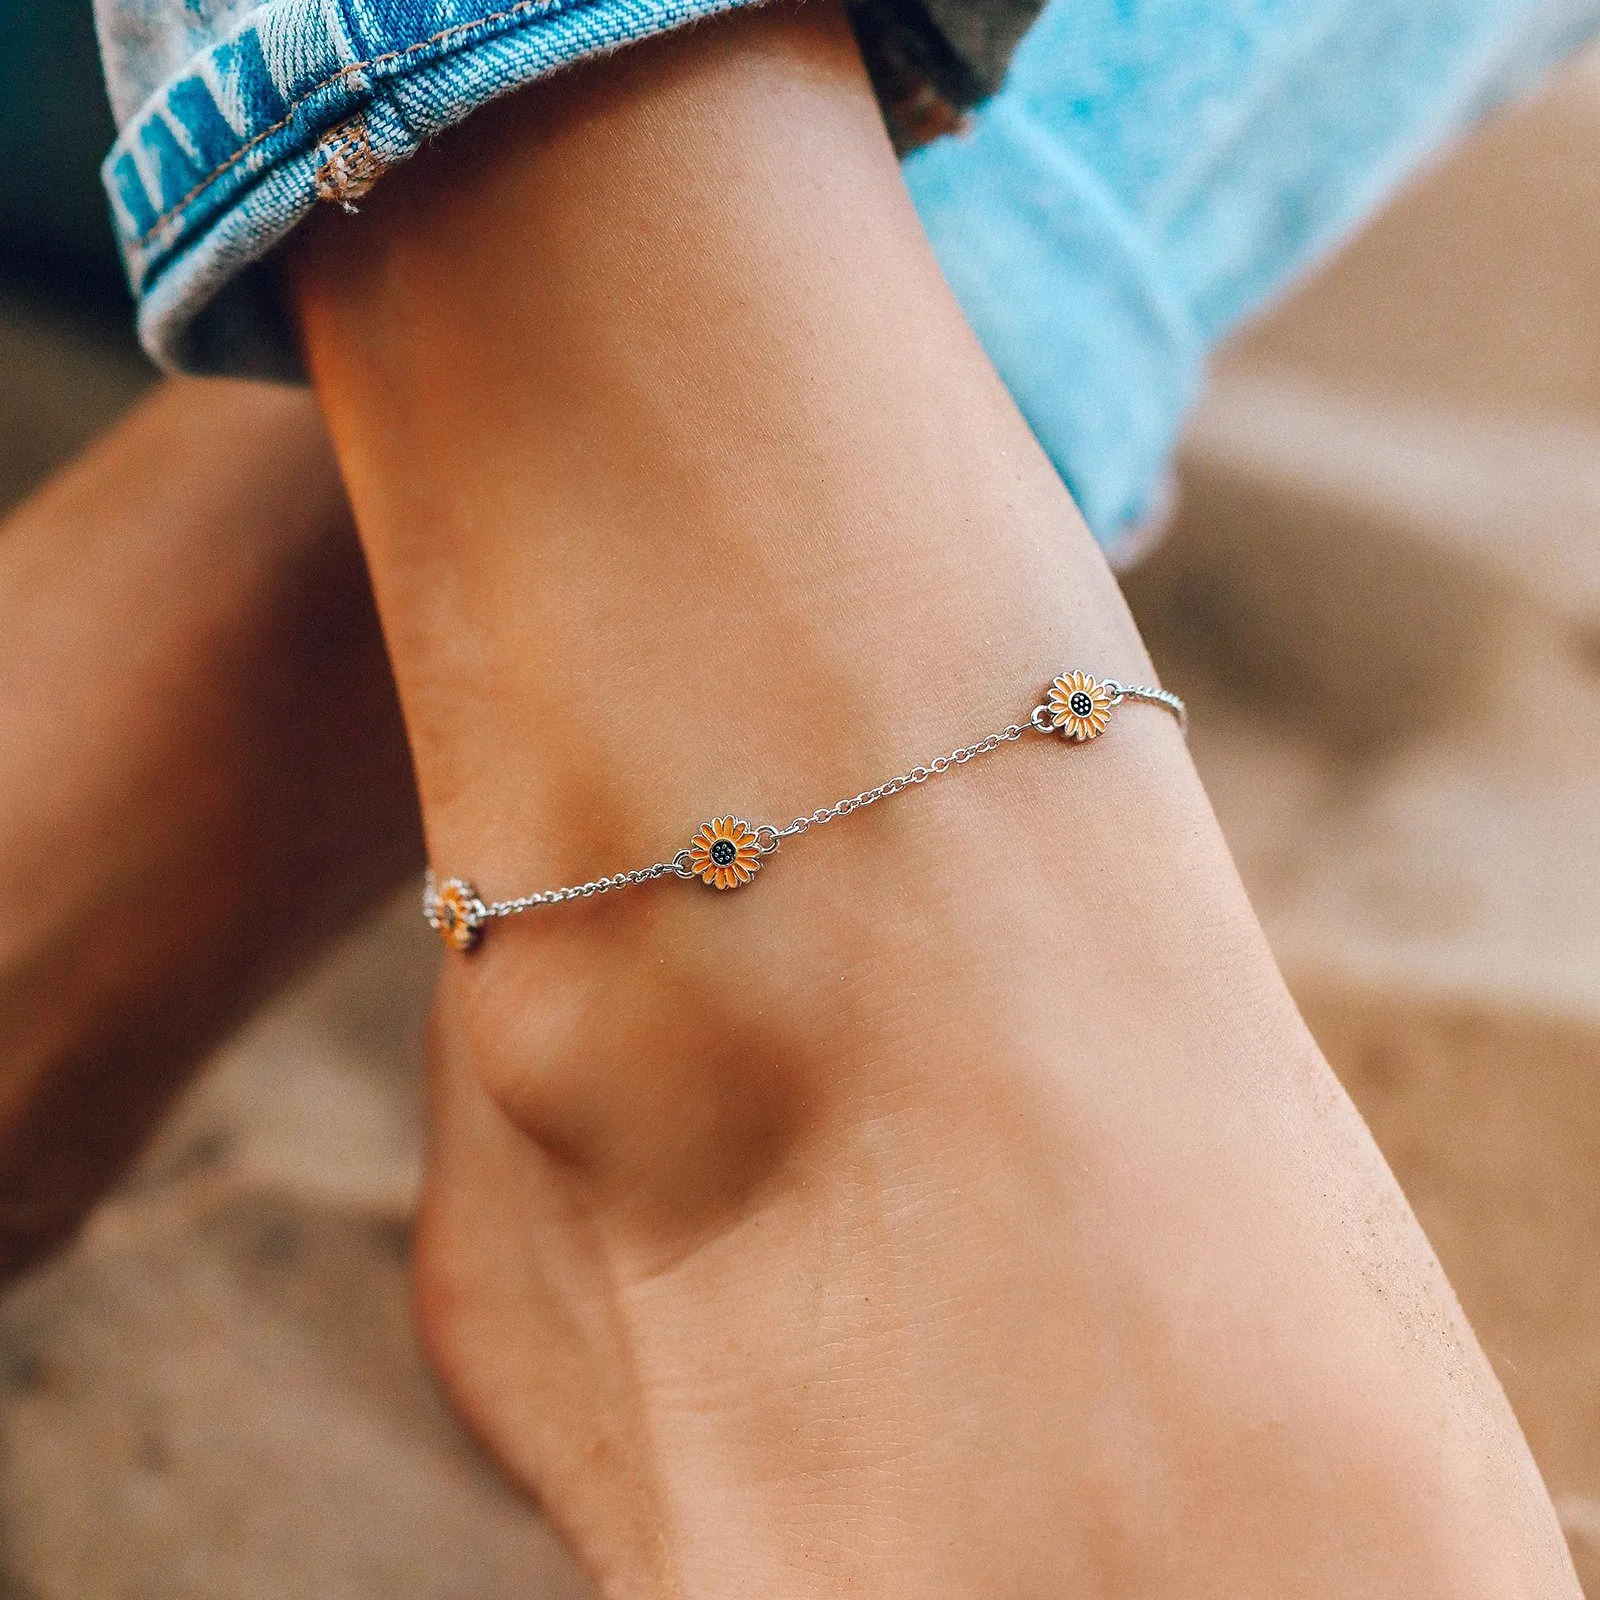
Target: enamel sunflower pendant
x=1080, y=706
x=455, y=912
x=725, y=853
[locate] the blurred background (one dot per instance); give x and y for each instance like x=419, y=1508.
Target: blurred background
x=1381, y=592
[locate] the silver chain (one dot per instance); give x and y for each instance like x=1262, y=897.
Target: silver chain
x=769, y=837
x=766, y=834
x=1153, y=697
x=581, y=891
x=891, y=786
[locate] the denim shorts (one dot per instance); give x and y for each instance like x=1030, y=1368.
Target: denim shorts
x=1147, y=173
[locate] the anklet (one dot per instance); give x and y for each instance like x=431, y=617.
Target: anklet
x=727, y=852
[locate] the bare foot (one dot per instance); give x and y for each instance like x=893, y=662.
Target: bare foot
x=960, y=1209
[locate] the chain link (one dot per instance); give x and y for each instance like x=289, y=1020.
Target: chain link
x=1152, y=697
x=905, y=780
x=584, y=891
x=769, y=837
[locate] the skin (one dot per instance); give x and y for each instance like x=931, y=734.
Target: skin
x=962, y=1208
x=203, y=776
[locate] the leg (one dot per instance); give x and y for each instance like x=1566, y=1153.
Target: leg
x=203, y=776
x=962, y=1209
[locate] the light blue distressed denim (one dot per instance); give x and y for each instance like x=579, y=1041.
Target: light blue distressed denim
x=1154, y=171
x=1151, y=172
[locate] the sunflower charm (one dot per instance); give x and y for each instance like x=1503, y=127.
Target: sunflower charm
x=455, y=912
x=725, y=853
x=1080, y=706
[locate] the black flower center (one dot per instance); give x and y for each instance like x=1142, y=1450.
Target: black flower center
x=722, y=852
x=1080, y=703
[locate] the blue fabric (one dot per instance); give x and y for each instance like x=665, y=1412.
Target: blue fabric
x=221, y=160
x=1154, y=171
x=1151, y=171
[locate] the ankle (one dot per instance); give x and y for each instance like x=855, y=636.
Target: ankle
x=1021, y=933
x=630, y=581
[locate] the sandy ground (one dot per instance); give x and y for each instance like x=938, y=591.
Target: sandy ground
x=1382, y=594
